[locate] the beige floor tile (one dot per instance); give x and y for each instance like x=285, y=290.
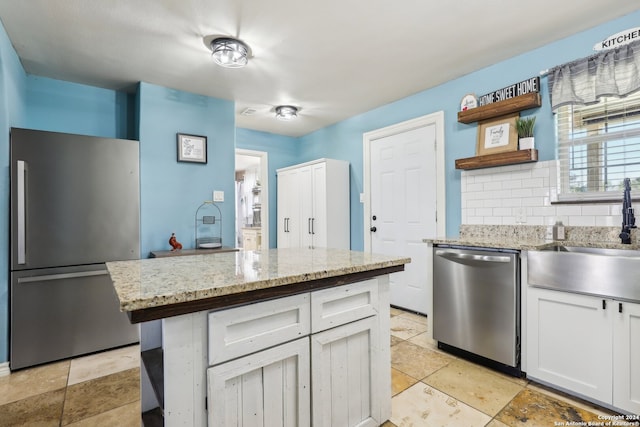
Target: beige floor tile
x=127, y=415
x=32, y=381
x=395, y=340
x=496, y=423
x=422, y=405
x=41, y=410
x=570, y=400
x=102, y=364
x=99, y=395
x=404, y=328
x=424, y=340
x=531, y=408
x=400, y=381
x=474, y=385
x=416, y=361
x=396, y=311
x=418, y=318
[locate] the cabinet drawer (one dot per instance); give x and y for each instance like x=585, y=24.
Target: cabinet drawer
x=244, y=330
x=344, y=304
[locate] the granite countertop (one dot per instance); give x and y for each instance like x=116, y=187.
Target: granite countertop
x=146, y=283
x=533, y=237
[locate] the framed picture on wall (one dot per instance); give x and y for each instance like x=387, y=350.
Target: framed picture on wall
x=192, y=148
x=497, y=135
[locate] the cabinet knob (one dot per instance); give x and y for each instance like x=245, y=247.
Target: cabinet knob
x=373, y=229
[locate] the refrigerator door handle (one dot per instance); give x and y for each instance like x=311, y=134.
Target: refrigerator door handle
x=22, y=242
x=48, y=277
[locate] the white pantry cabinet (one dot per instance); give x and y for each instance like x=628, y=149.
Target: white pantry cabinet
x=313, y=205
x=586, y=345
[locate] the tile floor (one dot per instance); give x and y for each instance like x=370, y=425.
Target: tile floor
x=430, y=388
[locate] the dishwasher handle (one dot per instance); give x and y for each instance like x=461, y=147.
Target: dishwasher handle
x=457, y=256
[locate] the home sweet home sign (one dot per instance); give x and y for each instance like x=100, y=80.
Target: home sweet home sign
x=517, y=89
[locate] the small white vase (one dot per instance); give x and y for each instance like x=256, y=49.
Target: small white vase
x=527, y=143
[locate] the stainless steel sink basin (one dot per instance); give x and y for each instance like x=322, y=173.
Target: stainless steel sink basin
x=611, y=273
x=596, y=251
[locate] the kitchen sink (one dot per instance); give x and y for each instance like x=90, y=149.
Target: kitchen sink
x=596, y=251
x=611, y=273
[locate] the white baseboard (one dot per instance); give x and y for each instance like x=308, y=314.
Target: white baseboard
x=4, y=369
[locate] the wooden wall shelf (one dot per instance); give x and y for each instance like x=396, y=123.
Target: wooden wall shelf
x=500, y=159
x=500, y=108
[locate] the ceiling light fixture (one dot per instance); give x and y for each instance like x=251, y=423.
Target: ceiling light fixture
x=286, y=112
x=229, y=52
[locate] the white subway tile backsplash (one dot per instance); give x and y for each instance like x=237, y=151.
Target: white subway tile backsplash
x=492, y=195
x=584, y=220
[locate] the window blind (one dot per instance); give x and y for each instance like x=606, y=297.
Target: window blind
x=598, y=146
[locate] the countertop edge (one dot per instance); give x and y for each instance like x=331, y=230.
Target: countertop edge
x=528, y=245
x=232, y=299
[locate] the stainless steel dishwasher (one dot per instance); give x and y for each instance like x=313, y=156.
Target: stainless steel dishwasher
x=476, y=304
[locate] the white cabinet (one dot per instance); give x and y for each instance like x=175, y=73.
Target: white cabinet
x=345, y=367
x=251, y=239
x=313, y=205
x=320, y=358
x=268, y=388
x=586, y=345
x=289, y=208
x=626, y=357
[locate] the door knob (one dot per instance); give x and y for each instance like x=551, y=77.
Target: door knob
x=373, y=229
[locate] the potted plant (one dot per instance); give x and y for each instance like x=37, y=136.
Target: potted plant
x=524, y=126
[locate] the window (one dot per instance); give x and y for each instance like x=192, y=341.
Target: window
x=598, y=146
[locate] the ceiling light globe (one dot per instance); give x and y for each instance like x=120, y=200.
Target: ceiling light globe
x=229, y=53
x=286, y=112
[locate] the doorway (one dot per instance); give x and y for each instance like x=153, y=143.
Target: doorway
x=404, y=202
x=251, y=200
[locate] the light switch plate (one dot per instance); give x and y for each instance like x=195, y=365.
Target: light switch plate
x=218, y=196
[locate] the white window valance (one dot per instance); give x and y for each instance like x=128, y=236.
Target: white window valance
x=614, y=72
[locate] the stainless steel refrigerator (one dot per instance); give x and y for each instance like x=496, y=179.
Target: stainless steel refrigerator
x=75, y=204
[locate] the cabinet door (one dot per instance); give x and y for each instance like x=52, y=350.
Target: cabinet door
x=345, y=365
x=626, y=366
x=319, y=194
x=570, y=341
x=269, y=388
x=305, y=198
x=289, y=225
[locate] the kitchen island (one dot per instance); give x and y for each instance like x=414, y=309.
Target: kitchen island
x=280, y=337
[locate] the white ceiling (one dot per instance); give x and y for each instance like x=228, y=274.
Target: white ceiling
x=332, y=58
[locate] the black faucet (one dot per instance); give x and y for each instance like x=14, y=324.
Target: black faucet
x=628, y=218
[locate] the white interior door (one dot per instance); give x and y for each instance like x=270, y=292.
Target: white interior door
x=403, y=209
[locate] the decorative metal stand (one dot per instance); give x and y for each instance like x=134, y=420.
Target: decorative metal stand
x=208, y=226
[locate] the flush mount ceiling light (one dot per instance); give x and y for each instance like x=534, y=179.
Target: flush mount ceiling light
x=229, y=52
x=286, y=112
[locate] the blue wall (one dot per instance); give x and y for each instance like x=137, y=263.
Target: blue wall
x=344, y=140
x=172, y=191
x=60, y=106
x=12, y=114
x=281, y=151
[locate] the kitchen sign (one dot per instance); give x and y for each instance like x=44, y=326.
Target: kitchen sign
x=522, y=88
x=618, y=39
